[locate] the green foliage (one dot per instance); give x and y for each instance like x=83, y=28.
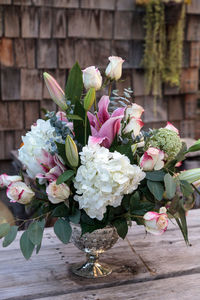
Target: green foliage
x=60, y=211
x=75, y=218
x=155, y=175
x=61, y=151
x=186, y=188
x=156, y=188
x=121, y=226
x=4, y=229
x=63, y=230
x=89, y=99
x=195, y=147
x=67, y=175
x=26, y=245
x=170, y=186
x=139, y=207
x=162, y=60
x=78, y=126
x=74, y=86
x=10, y=237
x=35, y=233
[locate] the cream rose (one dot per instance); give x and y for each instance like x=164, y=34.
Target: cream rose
x=57, y=192
x=92, y=78
x=114, y=68
x=5, y=179
x=152, y=159
x=156, y=223
x=20, y=192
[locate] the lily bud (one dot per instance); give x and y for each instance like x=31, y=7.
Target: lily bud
x=190, y=175
x=57, y=94
x=71, y=152
x=89, y=99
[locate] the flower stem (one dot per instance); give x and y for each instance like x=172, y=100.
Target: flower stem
x=109, y=89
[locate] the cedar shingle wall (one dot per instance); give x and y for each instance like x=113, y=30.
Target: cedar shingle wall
x=50, y=35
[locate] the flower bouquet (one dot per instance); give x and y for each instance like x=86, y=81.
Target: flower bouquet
x=91, y=164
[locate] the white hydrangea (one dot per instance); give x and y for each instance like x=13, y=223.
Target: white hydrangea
x=103, y=179
x=40, y=137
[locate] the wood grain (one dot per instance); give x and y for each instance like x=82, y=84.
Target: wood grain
x=176, y=266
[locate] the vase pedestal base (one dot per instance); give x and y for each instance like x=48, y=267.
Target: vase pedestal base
x=91, y=270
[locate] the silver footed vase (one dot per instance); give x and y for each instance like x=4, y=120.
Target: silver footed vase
x=93, y=244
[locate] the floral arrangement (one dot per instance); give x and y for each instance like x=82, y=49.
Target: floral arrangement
x=92, y=165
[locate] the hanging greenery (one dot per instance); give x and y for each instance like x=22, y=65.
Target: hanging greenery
x=163, y=51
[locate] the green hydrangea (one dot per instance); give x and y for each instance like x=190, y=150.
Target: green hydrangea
x=168, y=141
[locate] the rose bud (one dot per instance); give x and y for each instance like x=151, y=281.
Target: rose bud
x=5, y=179
x=57, y=193
x=172, y=127
x=114, y=68
x=134, y=125
x=20, y=192
x=133, y=110
x=156, y=223
x=92, y=78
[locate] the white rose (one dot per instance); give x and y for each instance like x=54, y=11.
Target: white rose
x=92, y=78
x=5, y=179
x=152, y=159
x=20, y=192
x=134, y=125
x=57, y=192
x=114, y=68
x=134, y=110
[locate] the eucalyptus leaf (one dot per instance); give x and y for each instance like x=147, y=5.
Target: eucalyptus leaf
x=26, y=245
x=4, y=229
x=65, y=176
x=170, y=186
x=156, y=188
x=60, y=211
x=10, y=237
x=121, y=226
x=155, y=175
x=63, y=230
x=75, y=218
x=35, y=233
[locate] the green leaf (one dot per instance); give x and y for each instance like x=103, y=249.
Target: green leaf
x=78, y=125
x=139, y=207
x=26, y=245
x=60, y=211
x=74, y=117
x=156, y=188
x=121, y=226
x=90, y=227
x=63, y=230
x=89, y=99
x=195, y=147
x=75, y=218
x=11, y=235
x=124, y=149
x=35, y=233
x=38, y=248
x=4, y=229
x=74, y=86
x=186, y=188
x=65, y=176
x=155, y=175
x=61, y=151
x=170, y=186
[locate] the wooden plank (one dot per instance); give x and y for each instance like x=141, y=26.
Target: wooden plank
x=48, y=274
x=179, y=288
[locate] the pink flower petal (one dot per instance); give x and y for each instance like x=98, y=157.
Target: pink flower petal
x=151, y=215
x=103, y=114
x=172, y=127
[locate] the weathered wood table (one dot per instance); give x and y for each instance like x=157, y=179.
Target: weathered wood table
x=47, y=276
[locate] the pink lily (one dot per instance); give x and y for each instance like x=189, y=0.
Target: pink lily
x=104, y=126
x=51, y=165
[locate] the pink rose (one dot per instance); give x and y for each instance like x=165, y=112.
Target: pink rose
x=20, y=192
x=156, y=223
x=5, y=179
x=172, y=127
x=152, y=159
